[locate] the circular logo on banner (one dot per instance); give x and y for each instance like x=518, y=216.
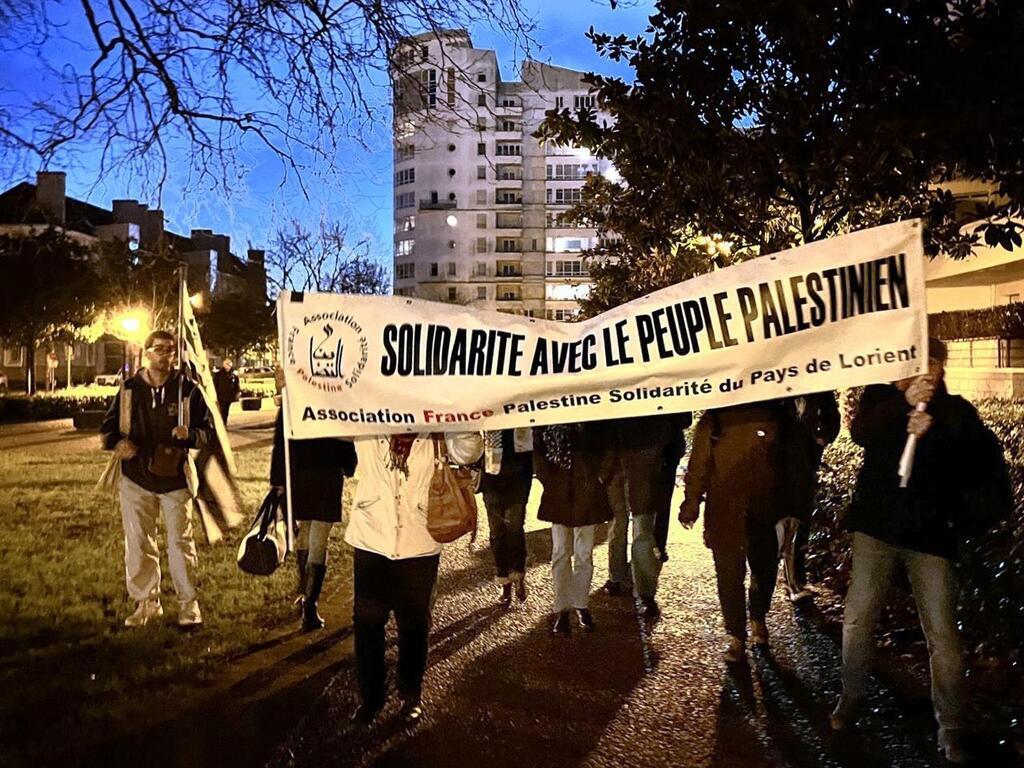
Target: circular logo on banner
x=328, y=351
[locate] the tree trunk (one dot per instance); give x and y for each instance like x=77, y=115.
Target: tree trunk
x=30, y=368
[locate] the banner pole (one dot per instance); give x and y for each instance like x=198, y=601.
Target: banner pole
x=182, y=297
x=286, y=429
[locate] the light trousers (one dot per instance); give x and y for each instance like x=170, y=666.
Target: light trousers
x=572, y=565
x=644, y=558
x=139, y=511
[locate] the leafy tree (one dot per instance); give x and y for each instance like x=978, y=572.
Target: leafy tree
x=239, y=322
x=777, y=123
x=49, y=291
x=327, y=261
x=139, y=278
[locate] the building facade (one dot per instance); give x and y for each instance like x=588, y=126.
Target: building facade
x=212, y=269
x=478, y=200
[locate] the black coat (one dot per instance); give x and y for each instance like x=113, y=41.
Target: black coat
x=953, y=458
x=318, y=470
x=512, y=483
x=817, y=420
x=574, y=496
x=226, y=385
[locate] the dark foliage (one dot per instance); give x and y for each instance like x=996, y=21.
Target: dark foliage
x=1005, y=322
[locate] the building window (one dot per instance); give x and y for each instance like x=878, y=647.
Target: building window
x=563, y=315
x=481, y=77
x=405, y=200
x=424, y=52
x=404, y=248
x=566, y=269
x=1012, y=298
x=405, y=271
x=405, y=224
x=568, y=196
x=405, y=176
x=481, y=291
x=480, y=268
x=508, y=125
x=584, y=102
x=559, y=102
x=453, y=293
x=481, y=221
x=410, y=291
x=14, y=356
x=451, y=269
x=481, y=197
x=481, y=148
x=481, y=247
x=433, y=269
x=508, y=196
x=509, y=150
x=451, y=86
x=404, y=152
x=509, y=103
x=569, y=171
x=428, y=82
x=481, y=100
x=481, y=172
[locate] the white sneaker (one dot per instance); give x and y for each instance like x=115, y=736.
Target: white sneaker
x=144, y=611
x=189, y=614
x=735, y=651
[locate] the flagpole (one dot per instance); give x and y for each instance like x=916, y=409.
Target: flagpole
x=182, y=298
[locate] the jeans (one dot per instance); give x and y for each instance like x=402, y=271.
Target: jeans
x=935, y=590
x=646, y=565
x=139, y=511
x=508, y=540
x=382, y=586
x=572, y=565
x=762, y=555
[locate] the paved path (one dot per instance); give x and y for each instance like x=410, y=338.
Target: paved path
x=501, y=691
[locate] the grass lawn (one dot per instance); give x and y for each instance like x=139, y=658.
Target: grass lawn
x=70, y=673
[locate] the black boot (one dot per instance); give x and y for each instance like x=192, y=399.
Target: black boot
x=315, y=580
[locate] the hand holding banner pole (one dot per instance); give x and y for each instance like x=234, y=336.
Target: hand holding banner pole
x=907, y=459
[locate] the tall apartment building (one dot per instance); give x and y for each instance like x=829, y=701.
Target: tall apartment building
x=478, y=199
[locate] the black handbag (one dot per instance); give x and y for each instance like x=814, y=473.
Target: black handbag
x=264, y=547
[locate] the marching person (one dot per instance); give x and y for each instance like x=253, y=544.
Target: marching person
x=675, y=449
x=918, y=528
x=567, y=461
x=396, y=559
x=318, y=468
x=227, y=386
x=633, y=469
x=737, y=468
x=817, y=424
x=141, y=428
x=505, y=485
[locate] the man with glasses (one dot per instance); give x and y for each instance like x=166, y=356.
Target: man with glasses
x=142, y=428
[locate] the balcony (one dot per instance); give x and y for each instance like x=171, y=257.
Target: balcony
x=509, y=222
x=511, y=246
x=438, y=205
x=508, y=197
x=509, y=269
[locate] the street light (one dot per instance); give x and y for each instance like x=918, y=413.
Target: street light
x=132, y=325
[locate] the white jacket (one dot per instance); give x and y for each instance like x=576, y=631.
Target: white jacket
x=389, y=510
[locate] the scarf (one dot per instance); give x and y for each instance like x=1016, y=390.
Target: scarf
x=558, y=444
x=399, y=448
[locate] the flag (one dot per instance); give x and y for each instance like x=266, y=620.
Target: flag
x=212, y=471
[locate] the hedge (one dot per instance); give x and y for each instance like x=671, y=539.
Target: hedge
x=43, y=407
x=991, y=566
x=1005, y=321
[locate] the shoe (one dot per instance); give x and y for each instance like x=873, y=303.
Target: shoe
x=758, y=632
x=311, y=619
x=364, y=715
x=144, y=612
x=189, y=614
x=662, y=555
x=521, y=589
x=612, y=588
x=735, y=650
x=951, y=748
x=562, y=624
x=412, y=711
x=841, y=718
x=586, y=620
x=650, y=609
x=506, y=595
x=801, y=595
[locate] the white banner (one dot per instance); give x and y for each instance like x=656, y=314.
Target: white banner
x=833, y=314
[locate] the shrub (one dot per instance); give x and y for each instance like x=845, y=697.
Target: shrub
x=1005, y=321
x=50, y=406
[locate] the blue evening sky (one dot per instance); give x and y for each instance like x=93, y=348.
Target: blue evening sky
x=361, y=192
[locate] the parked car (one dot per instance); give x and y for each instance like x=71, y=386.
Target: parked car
x=256, y=372
x=3, y=383
x=108, y=380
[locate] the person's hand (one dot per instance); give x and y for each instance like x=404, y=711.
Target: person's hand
x=180, y=433
x=126, y=450
x=688, y=513
x=919, y=423
x=921, y=390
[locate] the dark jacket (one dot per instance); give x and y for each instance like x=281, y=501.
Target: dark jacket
x=816, y=417
x=574, y=496
x=318, y=467
x=154, y=415
x=953, y=458
x=739, y=466
x=644, y=449
x=227, y=385
x=512, y=483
